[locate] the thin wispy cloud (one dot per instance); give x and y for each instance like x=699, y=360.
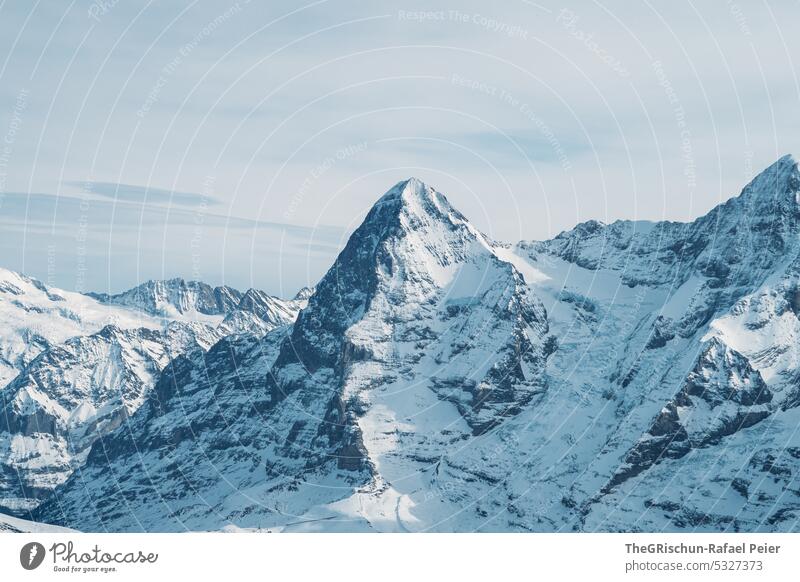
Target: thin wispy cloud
x=142, y=194
x=61, y=211
x=114, y=245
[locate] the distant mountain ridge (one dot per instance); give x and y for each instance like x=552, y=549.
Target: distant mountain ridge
x=161, y=297
x=75, y=367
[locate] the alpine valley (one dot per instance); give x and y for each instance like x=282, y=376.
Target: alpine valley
x=633, y=376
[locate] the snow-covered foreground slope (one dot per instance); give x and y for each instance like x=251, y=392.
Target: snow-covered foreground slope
x=632, y=376
x=10, y=524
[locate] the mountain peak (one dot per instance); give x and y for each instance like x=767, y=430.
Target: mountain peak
x=304, y=294
x=414, y=191
x=413, y=201
x=778, y=184
x=784, y=169
x=786, y=160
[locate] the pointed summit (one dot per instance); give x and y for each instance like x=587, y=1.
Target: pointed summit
x=415, y=198
x=304, y=294
x=763, y=220
x=408, y=190
x=413, y=261
x=784, y=170
x=774, y=189
x=412, y=241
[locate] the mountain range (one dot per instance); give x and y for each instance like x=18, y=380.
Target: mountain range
x=632, y=376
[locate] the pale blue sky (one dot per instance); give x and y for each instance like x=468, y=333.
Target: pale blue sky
x=241, y=142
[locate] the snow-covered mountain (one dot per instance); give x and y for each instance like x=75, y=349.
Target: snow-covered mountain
x=253, y=311
x=418, y=337
x=76, y=368
x=631, y=376
x=34, y=317
x=176, y=296
x=258, y=313
x=75, y=392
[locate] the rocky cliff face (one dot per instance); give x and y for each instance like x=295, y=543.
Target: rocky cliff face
x=721, y=341
x=202, y=430
x=722, y=395
x=73, y=393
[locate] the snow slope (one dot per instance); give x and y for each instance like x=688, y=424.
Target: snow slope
x=10, y=524
x=34, y=317
x=75, y=368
